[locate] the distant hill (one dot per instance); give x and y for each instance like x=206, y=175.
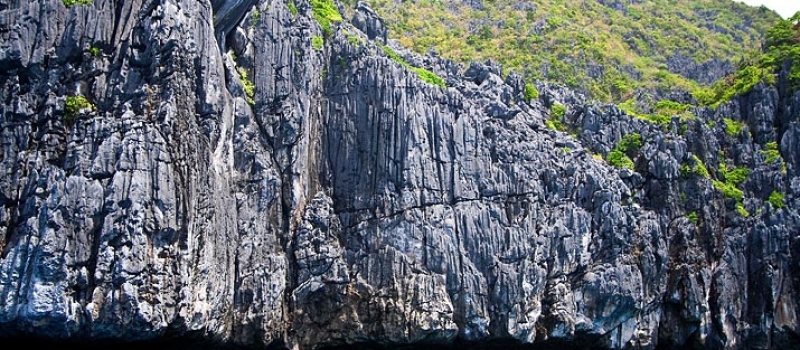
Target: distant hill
x=609, y=49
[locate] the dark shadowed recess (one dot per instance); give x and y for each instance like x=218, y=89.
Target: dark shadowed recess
x=195, y=344
x=161, y=344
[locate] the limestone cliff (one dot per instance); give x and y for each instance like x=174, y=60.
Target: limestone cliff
x=242, y=175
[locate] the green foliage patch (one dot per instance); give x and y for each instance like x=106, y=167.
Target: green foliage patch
x=729, y=190
x=735, y=176
x=629, y=106
x=630, y=143
x=741, y=210
x=74, y=105
x=354, y=40
x=292, y=8
x=740, y=82
x=70, y=3
x=326, y=13
x=771, y=152
x=553, y=122
x=317, y=42
x=625, y=147
x=692, y=216
x=698, y=168
x=531, y=92
x=565, y=41
x=255, y=18
x=776, y=199
x=781, y=46
x=729, y=185
x=247, y=85
x=424, y=74
x=557, y=110
x=732, y=127
x=619, y=160
x=428, y=76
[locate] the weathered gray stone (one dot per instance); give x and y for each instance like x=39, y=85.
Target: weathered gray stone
x=355, y=204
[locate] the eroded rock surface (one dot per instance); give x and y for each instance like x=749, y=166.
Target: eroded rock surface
x=354, y=203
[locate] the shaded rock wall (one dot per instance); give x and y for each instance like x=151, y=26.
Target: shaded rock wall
x=354, y=203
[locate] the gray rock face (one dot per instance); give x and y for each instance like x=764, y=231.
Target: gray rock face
x=354, y=203
x=366, y=20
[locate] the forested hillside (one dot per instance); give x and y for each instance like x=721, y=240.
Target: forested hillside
x=609, y=49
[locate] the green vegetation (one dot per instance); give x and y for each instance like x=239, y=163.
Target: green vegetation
x=424, y=74
x=554, y=123
x=771, y=152
x=354, y=40
x=292, y=8
x=692, y=216
x=326, y=13
x=780, y=47
x=740, y=82
x=94, y=51
x=776, y=199
x=728, y=190
x=247, y=85
x=619, y=160
x=661, y=113
x=74, y=105
x=630, y=143
x=531, y=92
x=698, y=168
x=571, y=39
x=255, y=18
x=70, y=3
x=316, y=42
x=428, y=76
x=730, y=185
x=735, y=176
x=626, y=147
x=732, y=127
x=741, y=210
x=557, y=110
x=783, y=46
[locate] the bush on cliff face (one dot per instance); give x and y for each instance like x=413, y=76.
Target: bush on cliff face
x=531, y=92
x=248, y=85
x=317, y=42
x=424, y=74
x=629, y=145
x=70, y=3
x=697, y=167
x=776, y=199
x=326, y=13
x=732, y=127
x=74, y=105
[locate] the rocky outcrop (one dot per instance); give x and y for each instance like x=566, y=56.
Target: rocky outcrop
x=353, y=203
x=705, y=73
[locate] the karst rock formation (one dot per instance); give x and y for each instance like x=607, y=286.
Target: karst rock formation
x=230, y=179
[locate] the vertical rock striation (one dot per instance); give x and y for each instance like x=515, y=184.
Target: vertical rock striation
x=233, y=182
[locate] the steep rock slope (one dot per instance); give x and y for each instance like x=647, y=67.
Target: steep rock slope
x=240, y=174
